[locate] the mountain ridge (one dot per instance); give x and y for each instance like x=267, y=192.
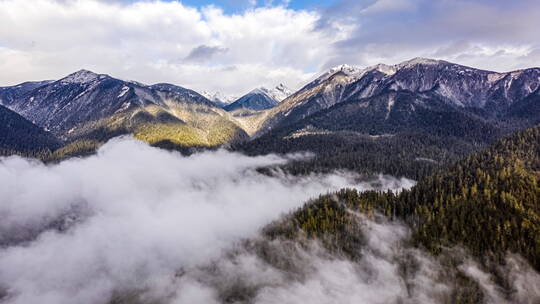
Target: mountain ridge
x=87, y=96
x=89, y=106
x=458, y=85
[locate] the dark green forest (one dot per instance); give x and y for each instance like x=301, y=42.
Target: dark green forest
x=488, y=203
x=413, y=155
x=20, y=136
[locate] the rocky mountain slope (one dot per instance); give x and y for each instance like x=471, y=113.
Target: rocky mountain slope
x=10, y=94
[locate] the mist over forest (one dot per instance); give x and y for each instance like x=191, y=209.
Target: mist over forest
x=132, y=216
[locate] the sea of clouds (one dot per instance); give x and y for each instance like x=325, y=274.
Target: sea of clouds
x=132, y=216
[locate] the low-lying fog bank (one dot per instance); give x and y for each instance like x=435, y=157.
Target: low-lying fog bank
x=134, y=218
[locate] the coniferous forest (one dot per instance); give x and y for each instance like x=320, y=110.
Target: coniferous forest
x=487, y=203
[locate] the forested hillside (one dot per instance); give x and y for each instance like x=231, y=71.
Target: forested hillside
x=411, y=154
x=488, y=203
x=18, y=135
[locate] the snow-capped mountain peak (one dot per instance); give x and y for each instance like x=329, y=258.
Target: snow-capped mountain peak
x=383, y=68
x=261, y=90
x=278, y=93
x=219, y=97
x=417, y=61
x=355, y=72
x=261, y=98
x=281, y=92
x=82, y=76
x=348, y=70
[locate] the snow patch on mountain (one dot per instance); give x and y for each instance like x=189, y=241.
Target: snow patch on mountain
x=417, y=61
x=123, y=92
x=346, y=69
x=355, y=72
x=494, y=77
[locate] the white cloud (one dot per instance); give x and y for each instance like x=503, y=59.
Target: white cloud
x=147, y=41
x=495, y=35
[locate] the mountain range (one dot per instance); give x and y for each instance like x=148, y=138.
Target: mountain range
x=447, y=110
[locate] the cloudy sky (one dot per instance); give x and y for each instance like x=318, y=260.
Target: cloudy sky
x=233, y=46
